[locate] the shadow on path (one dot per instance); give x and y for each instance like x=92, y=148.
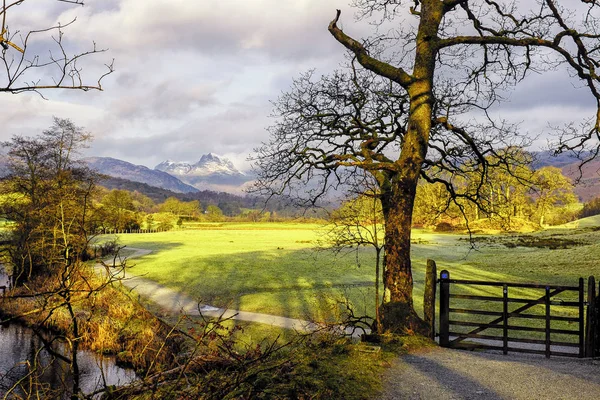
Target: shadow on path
x=455, y=374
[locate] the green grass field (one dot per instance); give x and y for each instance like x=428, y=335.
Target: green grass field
x=269, y=268
x=275, y=268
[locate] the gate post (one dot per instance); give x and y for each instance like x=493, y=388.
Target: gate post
x=444, y=308
x=596, y=333
x=505, y=319
x=581, y=319
x=429, y=297
x=591, y=318
x=547, y=304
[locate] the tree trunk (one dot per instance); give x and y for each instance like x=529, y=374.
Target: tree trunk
x=377, y=274
x=398, y=183
x=397, y=311
x=398, y=194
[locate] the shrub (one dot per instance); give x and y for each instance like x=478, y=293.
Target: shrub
x=106, y=249
x=444, y=227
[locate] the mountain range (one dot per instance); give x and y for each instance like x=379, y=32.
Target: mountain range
x=137, y=173
x=218, y=174
x=211, y=172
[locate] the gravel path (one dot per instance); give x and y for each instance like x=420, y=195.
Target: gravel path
x=446, y=374
x=176, y=303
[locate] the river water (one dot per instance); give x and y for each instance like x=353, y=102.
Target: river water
x=21, y=350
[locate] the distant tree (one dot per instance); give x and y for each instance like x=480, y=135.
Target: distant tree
x=214, y=213
x=230, y=208
x=591, y=208
x=165, y=221
x=552, y=189
x=190, y=209
x=149, y=221
x=49, y=199
x=119, y=208
x=141, y=202
x=432, y=201
x=253, y=215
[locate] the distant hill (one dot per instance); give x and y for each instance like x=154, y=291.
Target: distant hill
x=587, y=180
x=586, y=177
x=547, y=158
x=158, y=195
x=137, y=173
x=229, y=203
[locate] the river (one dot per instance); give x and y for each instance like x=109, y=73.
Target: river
x=21, y=349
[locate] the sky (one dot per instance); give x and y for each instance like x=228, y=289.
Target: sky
x=197, y=76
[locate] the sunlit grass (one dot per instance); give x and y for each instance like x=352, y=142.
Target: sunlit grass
x=277, y=269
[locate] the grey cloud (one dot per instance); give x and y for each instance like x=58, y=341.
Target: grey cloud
x=197, y=76
x=234, y=131
x=550, y=88
x=288, y=30
x=168, y=99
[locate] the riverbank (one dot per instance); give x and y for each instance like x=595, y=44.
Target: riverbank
x=109, y=320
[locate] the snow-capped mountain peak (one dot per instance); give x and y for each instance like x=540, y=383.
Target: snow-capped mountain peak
x=209, y=164
x=174, y=167
x=211, y=171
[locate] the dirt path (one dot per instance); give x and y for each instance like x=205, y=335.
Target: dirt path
x=443, y=374
x=175, y=302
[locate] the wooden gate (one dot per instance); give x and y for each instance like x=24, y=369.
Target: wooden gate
x=512, y=317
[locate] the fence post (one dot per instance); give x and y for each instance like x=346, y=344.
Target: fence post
x=429, y=297
x=596, y=332
x=591, y=318
x=547, y=322
x=581, y=318
x=505, y=319
x=444, y=308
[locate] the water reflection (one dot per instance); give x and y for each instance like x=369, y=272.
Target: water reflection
x=25, y=363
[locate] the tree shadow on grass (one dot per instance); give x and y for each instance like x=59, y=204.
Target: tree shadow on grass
x=292, y=284
x=155, y=247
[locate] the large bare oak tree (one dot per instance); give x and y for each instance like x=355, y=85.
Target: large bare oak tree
x=451, y=62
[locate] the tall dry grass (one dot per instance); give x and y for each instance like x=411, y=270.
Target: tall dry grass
x=110, y=320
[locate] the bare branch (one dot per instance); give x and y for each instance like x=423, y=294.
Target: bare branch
x=397, y=75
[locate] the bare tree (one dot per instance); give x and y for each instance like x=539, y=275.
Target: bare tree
x=27, y=70
x=449, y=62
x=358, y=223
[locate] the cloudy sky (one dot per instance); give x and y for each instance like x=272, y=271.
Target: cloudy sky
x=196, y=76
